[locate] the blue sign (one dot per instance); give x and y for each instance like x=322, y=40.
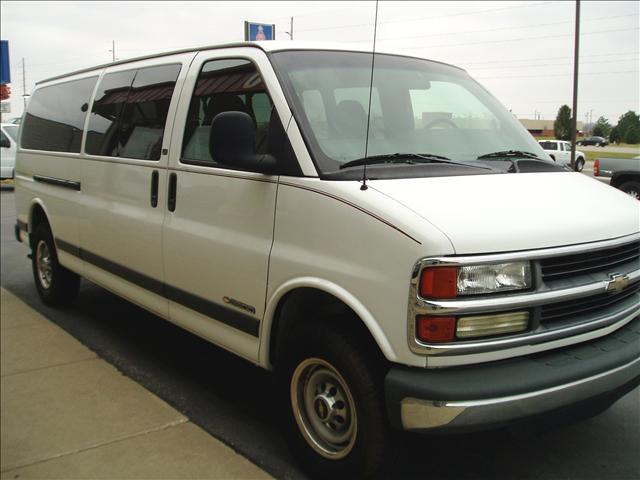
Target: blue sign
x=259, y=31
x=5, y=71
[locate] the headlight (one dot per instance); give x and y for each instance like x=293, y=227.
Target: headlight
x=501, y=277
x=451, y=282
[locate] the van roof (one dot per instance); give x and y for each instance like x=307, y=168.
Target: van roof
x=267, y=46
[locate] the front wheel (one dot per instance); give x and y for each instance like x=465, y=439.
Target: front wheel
x=335, y=420
x=56, y=285
x=579, y=164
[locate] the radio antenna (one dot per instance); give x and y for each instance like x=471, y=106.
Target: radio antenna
x=373, y=62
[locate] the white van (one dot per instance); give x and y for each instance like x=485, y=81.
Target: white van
x=419, y=268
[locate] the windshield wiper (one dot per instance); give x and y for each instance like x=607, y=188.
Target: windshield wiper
x=508, y=154
x=408, y=158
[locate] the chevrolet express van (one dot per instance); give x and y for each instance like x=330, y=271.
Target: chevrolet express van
x=399, y=250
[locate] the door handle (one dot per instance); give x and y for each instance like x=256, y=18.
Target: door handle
x=154, y=188
x=171, y=199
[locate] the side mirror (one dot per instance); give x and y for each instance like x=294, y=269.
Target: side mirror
x=232, y=142
x=5, y=143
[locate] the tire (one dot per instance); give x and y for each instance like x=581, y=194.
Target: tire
x=335, y=417
x=631, y=188
x=552, y=157
x=56, y=285
x=579, y=164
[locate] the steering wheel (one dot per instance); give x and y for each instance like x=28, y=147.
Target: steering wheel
x=445, y=122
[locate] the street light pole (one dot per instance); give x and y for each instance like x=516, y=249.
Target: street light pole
x=290, y=32
x=24, y=85
x=576, y=55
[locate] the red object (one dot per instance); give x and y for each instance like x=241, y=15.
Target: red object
x=596, y=168
x=439, y=282
x=5, y=91
x=436, y=329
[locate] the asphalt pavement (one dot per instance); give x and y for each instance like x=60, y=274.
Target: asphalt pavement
x=233, y=401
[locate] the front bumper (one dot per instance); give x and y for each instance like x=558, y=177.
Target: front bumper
x=488, y=395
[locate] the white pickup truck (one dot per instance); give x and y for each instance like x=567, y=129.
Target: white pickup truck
x=560, y=152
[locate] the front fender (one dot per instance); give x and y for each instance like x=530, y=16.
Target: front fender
x=266, y=326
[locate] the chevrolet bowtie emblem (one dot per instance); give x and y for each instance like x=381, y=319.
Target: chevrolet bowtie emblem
x=617, y=283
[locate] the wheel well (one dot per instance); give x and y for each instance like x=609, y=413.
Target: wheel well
x=618, y=180
x=306, y=305
x=37, y=217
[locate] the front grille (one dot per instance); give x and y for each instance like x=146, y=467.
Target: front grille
x=592, y=305
x=589, y=262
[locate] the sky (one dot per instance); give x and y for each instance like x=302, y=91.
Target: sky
x=522, y=52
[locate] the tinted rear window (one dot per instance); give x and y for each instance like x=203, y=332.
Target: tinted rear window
x=549, y=145
x=55, y=117
x=129, y=113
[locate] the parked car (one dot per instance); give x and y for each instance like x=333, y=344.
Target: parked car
x=624, y=173
x=8, y=138
x=597, y=141
x=437, y=278
x=560, y=152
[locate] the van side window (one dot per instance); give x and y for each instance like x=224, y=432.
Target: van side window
x=102, y=135
x=55, y=116
x=145, y=113
x=130, y=112
x=224, y=86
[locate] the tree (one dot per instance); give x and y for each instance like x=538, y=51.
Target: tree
x=630, y=120
x=562, y=125
x=602, y=127
x=632, y=135
x=615, y=136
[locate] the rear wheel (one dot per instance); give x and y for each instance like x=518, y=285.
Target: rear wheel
x=335, y=420
x=56, y=285
x=631, y=188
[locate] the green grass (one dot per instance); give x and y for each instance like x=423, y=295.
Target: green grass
x=591, y=156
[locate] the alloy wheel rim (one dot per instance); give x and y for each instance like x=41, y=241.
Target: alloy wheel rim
x=324, y=408
x=43, y=264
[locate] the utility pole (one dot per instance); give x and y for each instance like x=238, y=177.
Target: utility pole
x=574, y=117
x=24, y=85
x=290, y=32
x=586, y=122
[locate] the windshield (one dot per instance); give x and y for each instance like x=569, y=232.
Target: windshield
x=12, y=131
x=417, y=106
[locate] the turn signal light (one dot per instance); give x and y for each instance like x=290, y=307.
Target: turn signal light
x=436, y=329
x=596, y=167
x=439, y=282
